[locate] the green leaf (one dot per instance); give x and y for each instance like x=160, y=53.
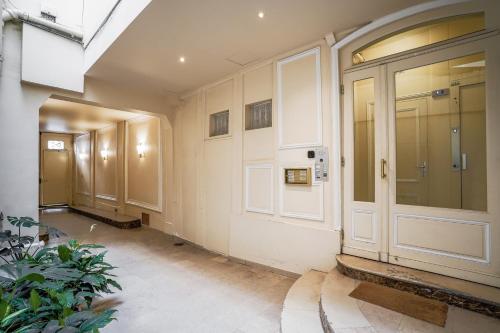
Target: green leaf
x=34, y=277
x=35, y=300
x=114, y=284
x=67, y=312
x=4, y=309
x=73, y=243
x=64, y=253
x=98, y=321
x=7, y=320
x=24, y=221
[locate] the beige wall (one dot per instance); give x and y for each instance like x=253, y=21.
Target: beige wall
x=106, y=169
x=230, y=192
x=83, y=164
x=143, y=174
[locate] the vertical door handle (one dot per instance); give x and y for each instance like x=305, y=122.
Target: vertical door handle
x=464, y=161
x=383, y=165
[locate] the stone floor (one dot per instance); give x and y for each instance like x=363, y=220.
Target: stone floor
x=179, y=289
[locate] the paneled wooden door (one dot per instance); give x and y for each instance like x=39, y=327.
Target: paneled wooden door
x=55, y=180
x=365, y=169
x=443, y=181
x=422, y=164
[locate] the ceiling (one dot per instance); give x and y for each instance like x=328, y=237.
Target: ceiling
x=70, y=117
x=208, y=33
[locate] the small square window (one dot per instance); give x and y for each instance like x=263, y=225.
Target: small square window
x=258, y=115
x=55, y=145
x=219, y=123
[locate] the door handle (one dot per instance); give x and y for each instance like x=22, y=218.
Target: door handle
x=423, y=168
x=383, y=165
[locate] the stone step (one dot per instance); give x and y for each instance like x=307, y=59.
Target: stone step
x=301, y=306
x=341, y=313
x=111, y=218
x=464, y=294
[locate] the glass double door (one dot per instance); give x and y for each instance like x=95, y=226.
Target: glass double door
x=416, y=164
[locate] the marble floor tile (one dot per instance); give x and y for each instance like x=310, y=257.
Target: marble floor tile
x=169, y=288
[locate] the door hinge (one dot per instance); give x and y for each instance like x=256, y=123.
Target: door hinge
x=342, y=161
x=341, y=89
x=341, y=234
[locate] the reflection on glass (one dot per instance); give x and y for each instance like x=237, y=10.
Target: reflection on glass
x=422, y=35
x=441, y=134
x=364, y=140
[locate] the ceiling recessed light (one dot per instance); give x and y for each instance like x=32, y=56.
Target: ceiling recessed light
x=261, y=14
x=182, y=59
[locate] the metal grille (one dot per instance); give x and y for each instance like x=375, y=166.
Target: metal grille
x=219, y=123
x=258, y=115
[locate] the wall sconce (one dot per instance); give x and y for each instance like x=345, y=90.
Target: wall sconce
x=141, y=148
x=104, y=154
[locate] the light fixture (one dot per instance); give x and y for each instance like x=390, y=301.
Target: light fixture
x=261, y=14
x=182, y=59
x=141, y=149
x=104, y=154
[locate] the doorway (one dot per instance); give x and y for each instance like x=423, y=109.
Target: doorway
x=416, y=145
x=55, y=169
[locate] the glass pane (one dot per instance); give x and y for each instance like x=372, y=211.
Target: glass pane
x=422, y=35
x=441, y=134
x=258, y=115
x=219, y=123
x=54, y=144
x=364, y=140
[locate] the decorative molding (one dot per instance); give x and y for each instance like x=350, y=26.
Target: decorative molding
x=143, y=205
x=98, y=153
x=393, y=17
x=319, y=116
x=304, y=216
x=106, y=197
x=336, y=140
x=154, y=207
x=248, y=208
x=373, y=239
x=486, y=245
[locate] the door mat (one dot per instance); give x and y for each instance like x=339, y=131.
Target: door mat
x=415, y=306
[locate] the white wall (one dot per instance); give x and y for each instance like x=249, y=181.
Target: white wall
x=50, y=60
x=125, y=13
x=94, y=13
x=18, y=132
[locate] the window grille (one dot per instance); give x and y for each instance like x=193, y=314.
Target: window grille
x=258, y=115
x=219, y=123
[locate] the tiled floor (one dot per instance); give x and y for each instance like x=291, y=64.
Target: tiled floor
x=179, y=289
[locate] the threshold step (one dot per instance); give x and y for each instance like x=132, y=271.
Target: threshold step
x=301, y=306
x=461, y=293
x=111, y=218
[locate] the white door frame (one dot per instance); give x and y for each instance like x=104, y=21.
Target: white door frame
x=367, y=216
x=483, y=268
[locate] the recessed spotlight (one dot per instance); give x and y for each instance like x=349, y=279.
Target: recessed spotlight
x=182, y=59
x=261, y=14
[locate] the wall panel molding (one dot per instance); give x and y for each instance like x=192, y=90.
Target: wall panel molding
x=248, y=206
x=486, y=236
x=318, y=139
x=157, y=207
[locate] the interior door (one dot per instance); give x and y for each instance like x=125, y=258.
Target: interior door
x=411, y=154
x=439, y=209
x=55, y=177
x=365, y=165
